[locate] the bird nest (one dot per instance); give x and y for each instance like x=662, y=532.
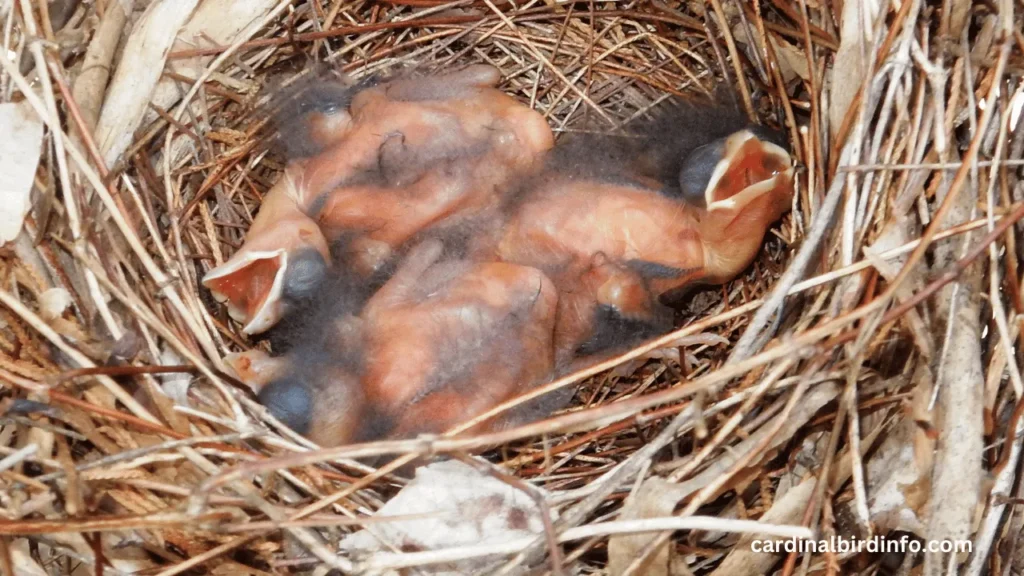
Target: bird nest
x=860, y=380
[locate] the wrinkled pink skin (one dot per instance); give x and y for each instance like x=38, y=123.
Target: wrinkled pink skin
x=463, y=139
x=442, y=342
x=583, y=234
x=563, y=252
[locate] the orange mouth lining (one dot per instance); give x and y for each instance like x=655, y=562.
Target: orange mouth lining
x=251, y=289
x=749, y=169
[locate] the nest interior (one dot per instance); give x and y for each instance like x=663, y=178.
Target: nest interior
x=860, y=378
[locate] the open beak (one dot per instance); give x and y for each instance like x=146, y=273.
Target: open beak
x=750, y=168
x=251, y=286
x=253, y=282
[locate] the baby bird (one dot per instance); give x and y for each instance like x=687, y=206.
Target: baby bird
x=448, y=340
x=562, y=262
x=385, y=160
x=601, y=304
x=441, y=342
x=598, y=200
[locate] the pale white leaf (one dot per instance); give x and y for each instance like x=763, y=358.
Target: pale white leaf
x=137, y=74
x=894, y=477
x=20, y=148
x=174, y=385
x=215, y=22
x=461, y=506
x=21, y=559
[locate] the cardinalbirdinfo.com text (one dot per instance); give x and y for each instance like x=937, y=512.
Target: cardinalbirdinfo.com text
x=874, y=545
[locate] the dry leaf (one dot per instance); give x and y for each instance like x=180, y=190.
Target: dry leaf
x=895, y=234
x=137, y=74
x=893, y=472
x=806, y=459
x=215, y=22
x=808, y=406
x=654, y=500
x=154, y=399
x=127, y=558
x=850, y=64
x=20, y=148
x=792, y=60
x=787, y=508
x=464, y=507
x=959, y=468
x=175, y=386
x=743, y=560
x=21, y=559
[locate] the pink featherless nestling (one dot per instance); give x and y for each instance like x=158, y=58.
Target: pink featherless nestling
x=434, y=254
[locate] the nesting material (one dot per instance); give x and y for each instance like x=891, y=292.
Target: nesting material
x=138, y=72
x=860, y=377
